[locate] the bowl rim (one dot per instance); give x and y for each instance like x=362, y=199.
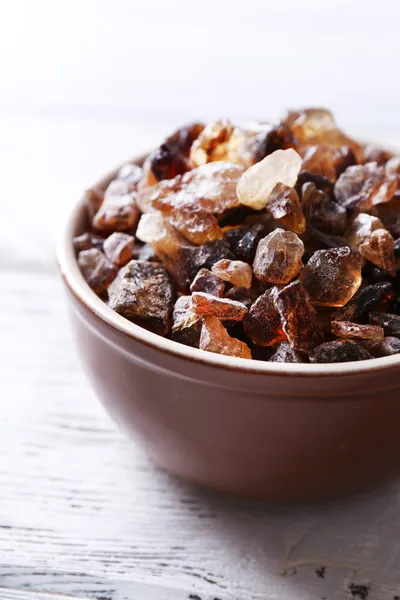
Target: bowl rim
x=68, y=266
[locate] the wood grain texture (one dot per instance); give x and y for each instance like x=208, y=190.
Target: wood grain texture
x=85, y=85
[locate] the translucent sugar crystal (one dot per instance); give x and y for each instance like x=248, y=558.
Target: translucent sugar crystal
x=145, y=296
x=284, y=205
x=207, y=282
x=211, y=187
x=347, y=329
x=215, y=338
x=299, y=318
x=236, y=272
x=332, y=277
x=321, y=211
x=310, y=124
x=284, y=353
x=195, y=200
x=263, y=323
x=118, y=211
x=197, y=227
x=362, y=186
x=222, y=308
x=327, y=160
x=278, y=257
x=186, y=325
x=118, y=248
x=379, y=249
x=370, y=237
x=338, y=352
x=96, y=269
x=257, y=183
x=317, y=126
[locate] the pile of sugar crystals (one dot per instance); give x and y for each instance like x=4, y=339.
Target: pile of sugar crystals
x=272, y=241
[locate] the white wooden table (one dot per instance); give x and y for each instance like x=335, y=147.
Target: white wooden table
x=83, y=513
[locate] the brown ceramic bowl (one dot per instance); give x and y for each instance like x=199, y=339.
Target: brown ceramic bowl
x=283, y=432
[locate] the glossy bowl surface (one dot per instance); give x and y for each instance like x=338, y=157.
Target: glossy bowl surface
x=283, y=432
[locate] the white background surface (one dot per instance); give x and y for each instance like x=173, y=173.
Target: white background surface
x=83, y=86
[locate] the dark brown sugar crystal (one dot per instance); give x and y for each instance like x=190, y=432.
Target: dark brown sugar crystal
x=97, y=270
x=338, y=352
x=273, y=241
x=145, y=296
x=284, y=353
x=284, y=205
x=207, y=282
x=299, y=319
x=263, y=323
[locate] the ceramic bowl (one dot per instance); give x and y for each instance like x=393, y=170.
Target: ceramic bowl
x=282, y=432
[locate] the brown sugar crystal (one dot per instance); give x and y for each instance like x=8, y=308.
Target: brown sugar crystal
x=208, y=282
x=278, y=257
x=97, y=270
x=299, y=318
x=118, y=248
x=118, y=212
x=332, y=277
x=222, y=308
x=215, y=338
x=346, y=329
x=236, y=272
x=263, y=323
x=284, y=205
x=145, y=296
